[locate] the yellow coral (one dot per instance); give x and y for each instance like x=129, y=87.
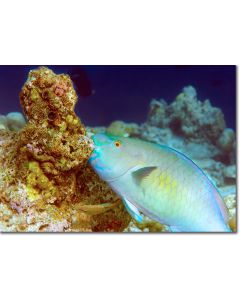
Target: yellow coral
x=37, y=182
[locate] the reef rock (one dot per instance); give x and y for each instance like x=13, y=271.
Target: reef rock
x=188, y=117
x=45, y=183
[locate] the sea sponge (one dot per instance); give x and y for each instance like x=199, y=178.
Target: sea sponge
x=45, y=182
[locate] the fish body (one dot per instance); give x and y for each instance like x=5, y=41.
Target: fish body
x=160, y=182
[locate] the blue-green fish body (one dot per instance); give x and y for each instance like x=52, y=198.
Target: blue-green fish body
x=161, y=183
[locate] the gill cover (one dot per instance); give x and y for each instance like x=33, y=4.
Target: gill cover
x=111, y=157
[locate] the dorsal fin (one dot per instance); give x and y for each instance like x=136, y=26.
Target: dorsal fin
x=142, y=173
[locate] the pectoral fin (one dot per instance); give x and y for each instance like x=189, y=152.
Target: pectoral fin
x=133, y=211
x=142, y=173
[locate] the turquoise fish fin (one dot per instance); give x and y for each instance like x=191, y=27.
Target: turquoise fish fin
x=142, y=173
x=133, y=211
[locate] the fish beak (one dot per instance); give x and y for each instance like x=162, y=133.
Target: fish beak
x=92, y=158
x=94, y=154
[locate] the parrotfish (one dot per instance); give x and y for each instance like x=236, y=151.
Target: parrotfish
x=159, y=182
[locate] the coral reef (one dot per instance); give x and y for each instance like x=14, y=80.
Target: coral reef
x=198, y=130
x=45, y=184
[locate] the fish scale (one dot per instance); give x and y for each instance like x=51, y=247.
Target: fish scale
x=160, y=182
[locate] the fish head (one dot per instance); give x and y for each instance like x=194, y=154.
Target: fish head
x=113, y=156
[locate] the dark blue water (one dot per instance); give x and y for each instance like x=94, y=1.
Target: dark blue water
x=108, y=93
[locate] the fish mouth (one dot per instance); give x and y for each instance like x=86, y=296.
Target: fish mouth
x=117, y=177
x=93, y=157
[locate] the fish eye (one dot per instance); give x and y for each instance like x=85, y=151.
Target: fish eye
x=117, y=144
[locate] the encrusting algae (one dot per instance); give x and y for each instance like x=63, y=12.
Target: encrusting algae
x=45, y=183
